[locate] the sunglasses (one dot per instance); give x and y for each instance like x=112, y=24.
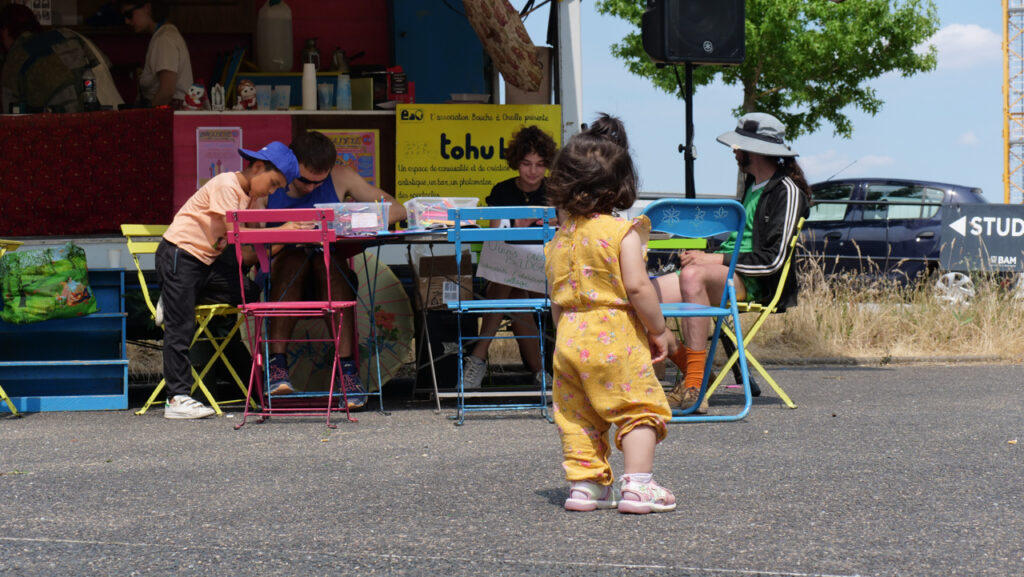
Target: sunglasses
x=128, y=13
x=305, y=180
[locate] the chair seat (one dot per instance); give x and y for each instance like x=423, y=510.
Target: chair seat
x=500, y=305
x=300, y=308
x=693, y=310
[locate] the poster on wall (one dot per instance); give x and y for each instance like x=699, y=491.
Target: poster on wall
x=43, y=9
x=358, y=149
x=217, y=152
x=459, y=150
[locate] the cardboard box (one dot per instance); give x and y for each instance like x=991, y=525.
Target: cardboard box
x=439, y=281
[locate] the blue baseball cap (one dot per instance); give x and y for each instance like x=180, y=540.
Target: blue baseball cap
x=278, y=154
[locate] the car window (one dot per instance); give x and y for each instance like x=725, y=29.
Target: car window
x=829, y=202
x=902, y=202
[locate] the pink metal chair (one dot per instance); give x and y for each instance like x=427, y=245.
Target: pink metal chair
x=258, y=314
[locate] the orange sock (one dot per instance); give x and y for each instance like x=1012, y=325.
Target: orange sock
x=695, y=361
x=679, y=358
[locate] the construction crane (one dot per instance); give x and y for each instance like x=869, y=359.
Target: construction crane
x=1013, y=101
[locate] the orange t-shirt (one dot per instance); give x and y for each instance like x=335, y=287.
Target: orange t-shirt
x=200, y=227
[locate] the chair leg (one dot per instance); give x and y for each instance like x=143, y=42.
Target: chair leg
x=729, y=337
x=10, y=404
x=730, y=349
x=219, y=347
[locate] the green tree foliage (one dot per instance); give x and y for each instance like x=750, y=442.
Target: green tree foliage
x=807, y=61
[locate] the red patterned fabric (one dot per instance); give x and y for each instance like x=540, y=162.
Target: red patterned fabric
x=70, y=174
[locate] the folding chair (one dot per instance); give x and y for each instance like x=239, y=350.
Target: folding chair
x=763, y=311
x=143, y=240
x=6, y=245
x=257, y=315
x=463, y=232
x=705, y=218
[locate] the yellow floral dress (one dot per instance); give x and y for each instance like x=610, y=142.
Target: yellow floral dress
x=602, y=361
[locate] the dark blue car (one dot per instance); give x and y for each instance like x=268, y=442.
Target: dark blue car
x=883, y=227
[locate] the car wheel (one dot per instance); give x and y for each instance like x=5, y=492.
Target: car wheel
x=954, y=288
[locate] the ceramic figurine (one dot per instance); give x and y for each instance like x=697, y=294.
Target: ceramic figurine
x=217, y=97
x=246, y=95
x=195, y=98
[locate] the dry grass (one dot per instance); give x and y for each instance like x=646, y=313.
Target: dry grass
x=863, y=319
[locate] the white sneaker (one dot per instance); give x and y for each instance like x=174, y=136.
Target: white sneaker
x=473, y=371
x=185, y=407
x=159, y=315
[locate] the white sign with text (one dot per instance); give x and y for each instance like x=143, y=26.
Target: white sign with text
x=515, y=265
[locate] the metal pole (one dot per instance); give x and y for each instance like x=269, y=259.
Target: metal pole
x=688, y=153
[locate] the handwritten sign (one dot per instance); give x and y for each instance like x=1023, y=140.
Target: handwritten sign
x=515, y=265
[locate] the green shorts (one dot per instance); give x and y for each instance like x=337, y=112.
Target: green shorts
x=753, y=288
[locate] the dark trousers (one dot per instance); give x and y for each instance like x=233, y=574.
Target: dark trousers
x=186, y=281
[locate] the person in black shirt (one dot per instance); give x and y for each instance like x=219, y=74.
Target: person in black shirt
x=530, y=152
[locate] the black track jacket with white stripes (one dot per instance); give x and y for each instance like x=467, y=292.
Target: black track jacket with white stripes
x=780, y=207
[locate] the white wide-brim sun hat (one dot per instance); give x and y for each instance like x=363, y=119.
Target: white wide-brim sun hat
x=759, y=133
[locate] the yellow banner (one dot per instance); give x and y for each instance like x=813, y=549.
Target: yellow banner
x=459, y=149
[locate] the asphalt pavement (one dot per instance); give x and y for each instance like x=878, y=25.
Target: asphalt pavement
x=896, y=471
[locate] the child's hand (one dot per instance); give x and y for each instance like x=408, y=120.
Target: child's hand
x=298, y=226
x=661, y=345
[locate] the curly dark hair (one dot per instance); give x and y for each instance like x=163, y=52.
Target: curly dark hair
x=594, y=171
x=314, y=151
x=530, y=139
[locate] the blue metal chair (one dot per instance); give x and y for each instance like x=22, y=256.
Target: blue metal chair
x=463, y=232
x=706, y=218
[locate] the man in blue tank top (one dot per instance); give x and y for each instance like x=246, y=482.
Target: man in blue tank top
x=294, y=276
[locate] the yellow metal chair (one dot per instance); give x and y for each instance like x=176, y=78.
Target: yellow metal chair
x=6, y=245
x=143, y=239
x=763, y=311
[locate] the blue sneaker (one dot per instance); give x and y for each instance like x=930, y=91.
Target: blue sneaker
x=354, y=390
x=280, y=381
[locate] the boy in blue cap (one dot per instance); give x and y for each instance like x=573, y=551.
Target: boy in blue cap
x=193, y=267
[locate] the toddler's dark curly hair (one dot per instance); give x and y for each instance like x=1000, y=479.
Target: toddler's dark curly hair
x=594, y=172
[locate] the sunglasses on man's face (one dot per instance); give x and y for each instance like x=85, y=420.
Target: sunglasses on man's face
x=305, y=180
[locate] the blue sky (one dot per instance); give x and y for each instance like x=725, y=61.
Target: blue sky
x=945, y=125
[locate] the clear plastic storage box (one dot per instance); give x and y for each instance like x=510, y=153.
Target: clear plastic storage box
x=358, y=218
x=432, y=211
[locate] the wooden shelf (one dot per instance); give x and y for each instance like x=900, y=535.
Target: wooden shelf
x=77, y=364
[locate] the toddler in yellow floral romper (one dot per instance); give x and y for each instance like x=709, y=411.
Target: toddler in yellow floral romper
x=608, y=327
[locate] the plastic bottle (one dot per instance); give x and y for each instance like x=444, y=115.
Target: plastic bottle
x=89, y=100
x=311, y=54
x=344, y=92
x=274, y=37
x=309, y=86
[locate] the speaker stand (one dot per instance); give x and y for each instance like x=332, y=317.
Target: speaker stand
x=688, y=155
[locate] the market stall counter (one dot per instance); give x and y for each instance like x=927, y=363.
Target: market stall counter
x=82, y=174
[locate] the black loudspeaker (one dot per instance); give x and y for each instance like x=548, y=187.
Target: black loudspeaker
x=697, y=31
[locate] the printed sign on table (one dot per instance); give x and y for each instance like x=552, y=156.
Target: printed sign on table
x=515, y=265
x=358, y=149
x=459, y=150
x=217, y=152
